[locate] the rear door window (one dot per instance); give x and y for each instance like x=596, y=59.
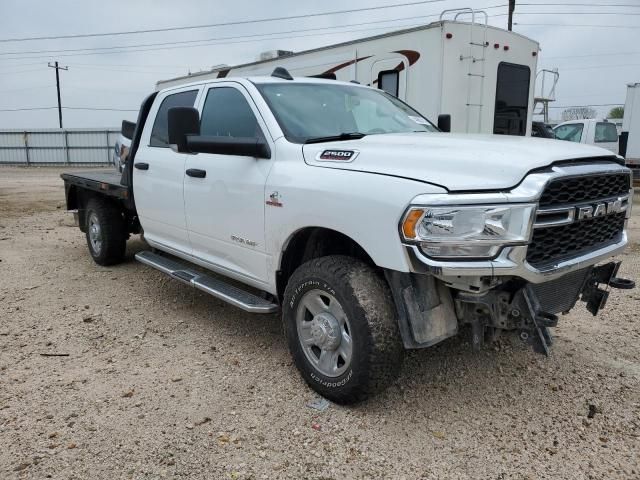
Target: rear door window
x=512, y=99
x=571, y=132
x=606, y=132
x=160, y=131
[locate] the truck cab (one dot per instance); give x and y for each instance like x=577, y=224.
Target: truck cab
x=598, y=132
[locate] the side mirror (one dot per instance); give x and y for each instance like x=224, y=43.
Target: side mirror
x=182, y=121
x=127, y=129
x=444, y=122
x=240, y=146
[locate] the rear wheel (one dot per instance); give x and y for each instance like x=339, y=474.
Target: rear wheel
x=341, y=328
x=105, y=231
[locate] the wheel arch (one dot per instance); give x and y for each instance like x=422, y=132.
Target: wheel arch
x=313, y=242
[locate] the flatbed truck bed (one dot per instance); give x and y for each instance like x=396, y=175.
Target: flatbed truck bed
x=103, y=181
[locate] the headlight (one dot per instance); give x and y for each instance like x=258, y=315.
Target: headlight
x=478, y=231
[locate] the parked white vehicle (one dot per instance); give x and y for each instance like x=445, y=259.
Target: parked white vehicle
x=481, y=75
x=349, y=212
x=123, y=143
x=630, y=136
x=599, y=132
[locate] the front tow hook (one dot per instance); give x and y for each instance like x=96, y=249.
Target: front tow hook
x=622, y=283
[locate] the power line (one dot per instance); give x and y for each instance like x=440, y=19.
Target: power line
x=69, y=108
x=593, y=55
x=225, y=24
x=184, y=42
x=578, y=13
x=574, y=25
x=597, y=105
x=603, y=66
x=103, y=109
x=630, y=5
x=26, y=109
x=172, y=45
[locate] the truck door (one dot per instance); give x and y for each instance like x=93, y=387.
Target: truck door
x=225, y=208
x=606, y=136
x=390, y=75
x=158, y=176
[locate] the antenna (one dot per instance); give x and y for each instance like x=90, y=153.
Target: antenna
x=281, y=72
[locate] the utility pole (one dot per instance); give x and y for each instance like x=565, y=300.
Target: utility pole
x=512, y=7
x=58, y=68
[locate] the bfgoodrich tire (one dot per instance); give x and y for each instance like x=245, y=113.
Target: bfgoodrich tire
x=105, y=231
x=341, y=327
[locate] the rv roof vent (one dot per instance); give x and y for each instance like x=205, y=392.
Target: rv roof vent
x=271, y=54
x=281, y=72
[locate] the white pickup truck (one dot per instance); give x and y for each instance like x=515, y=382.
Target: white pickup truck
x=370, y=230
x=600, y=133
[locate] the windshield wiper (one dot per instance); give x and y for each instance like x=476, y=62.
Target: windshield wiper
x=335, y=138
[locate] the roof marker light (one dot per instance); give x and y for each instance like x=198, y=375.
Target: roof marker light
x=449, y=35
x=496, y=45
x=506, y=47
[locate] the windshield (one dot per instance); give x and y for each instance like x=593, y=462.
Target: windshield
x=307, y=111
x=571, y=132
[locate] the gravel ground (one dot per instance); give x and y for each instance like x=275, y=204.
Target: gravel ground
x=161, y=380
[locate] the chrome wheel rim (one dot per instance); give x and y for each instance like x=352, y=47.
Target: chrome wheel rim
x=95, y=234
x=324, y=333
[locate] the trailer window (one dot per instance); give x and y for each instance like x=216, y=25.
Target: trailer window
x=160, y=131
x=388, y=81
x=605, y=132
x=512, y=99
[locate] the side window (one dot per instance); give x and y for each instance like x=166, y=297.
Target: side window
x=388, y=81
x=160, y=132
x=571, y=132
x=606, y=132
x=226, y=113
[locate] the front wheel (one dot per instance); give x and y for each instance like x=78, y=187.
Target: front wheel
x=341, y=328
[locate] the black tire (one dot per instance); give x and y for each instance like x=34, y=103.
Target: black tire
x=364, y=297
x=112, y=233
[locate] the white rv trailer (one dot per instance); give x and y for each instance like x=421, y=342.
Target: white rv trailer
x=481, y=75
x=630, y=136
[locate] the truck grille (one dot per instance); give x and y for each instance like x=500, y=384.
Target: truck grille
x=552, y=244
x=584, y=189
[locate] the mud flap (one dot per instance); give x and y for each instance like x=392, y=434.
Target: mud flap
x=426, y=313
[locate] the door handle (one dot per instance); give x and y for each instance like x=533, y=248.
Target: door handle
x=141, y=166
x=196, y=172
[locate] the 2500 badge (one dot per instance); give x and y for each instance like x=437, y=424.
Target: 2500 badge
x=337, y=156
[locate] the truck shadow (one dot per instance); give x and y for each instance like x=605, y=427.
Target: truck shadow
x=434, y=378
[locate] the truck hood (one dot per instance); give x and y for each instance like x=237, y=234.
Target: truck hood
x=454, y=161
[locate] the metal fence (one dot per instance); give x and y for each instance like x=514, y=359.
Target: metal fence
x=73, y=146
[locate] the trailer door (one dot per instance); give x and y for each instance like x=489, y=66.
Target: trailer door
x=390, y=75
x=512, y=99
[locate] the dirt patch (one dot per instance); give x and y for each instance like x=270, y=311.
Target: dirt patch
x=158, y=380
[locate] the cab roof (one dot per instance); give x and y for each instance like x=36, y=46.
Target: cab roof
x=263, y=79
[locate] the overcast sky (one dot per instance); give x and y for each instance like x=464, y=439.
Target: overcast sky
x=595, y=63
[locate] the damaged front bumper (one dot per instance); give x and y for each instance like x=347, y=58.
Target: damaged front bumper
x=533, y=308
x=429, y=311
